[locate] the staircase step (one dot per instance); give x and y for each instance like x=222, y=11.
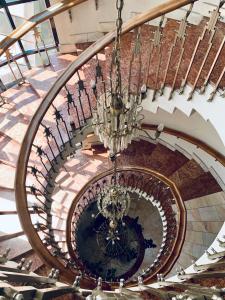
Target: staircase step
x=41, y=80
x=18, y=247
x=98, y=149
x=9, y=150
x=25, y=99
x=205, y=184
x=166, y=161
x=59, y=62
x=36, y=261
x=188, y=172
x=133, y=156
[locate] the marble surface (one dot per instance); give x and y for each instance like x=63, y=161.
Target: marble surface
x=151, y=223
x=205, y=217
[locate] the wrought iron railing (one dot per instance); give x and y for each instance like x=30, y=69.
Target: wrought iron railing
x=150, y=186
x=13, y=71
x=17, y=282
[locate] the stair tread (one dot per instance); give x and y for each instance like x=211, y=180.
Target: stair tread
x=205, y=184
x=166, y=161
x=24, y=98
x=190, y=170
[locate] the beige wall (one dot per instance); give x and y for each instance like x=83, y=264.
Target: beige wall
x=205, y=217
x=88, y=24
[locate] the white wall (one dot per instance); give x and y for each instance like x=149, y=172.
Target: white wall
x=83, y=21
x=194, y=125
x=88, y=24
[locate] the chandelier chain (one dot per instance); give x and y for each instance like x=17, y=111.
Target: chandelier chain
x=119, y=24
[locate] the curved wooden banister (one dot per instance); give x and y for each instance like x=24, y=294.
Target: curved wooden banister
x=32, y=22
x=21, y=195
x=192, y=140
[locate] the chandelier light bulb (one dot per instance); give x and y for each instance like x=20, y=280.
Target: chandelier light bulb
x=93, y=84
x=143, y=91
x=160, y=128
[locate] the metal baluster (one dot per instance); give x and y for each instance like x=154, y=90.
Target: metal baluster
x=150, y=51
x=136, y=54
x=157, y=45
x=35, y=172
x=59, y=118
x=80, y=89
x=11, y=58
x=181, y=37
x=37, y=211
x=2, y=100
x=71, y=102
x=34, y=191
x=206, y=81
x=40, y=153
x=91, y=194
x=211, y=30
x=99, y=75
x=84, y=90
x=210, y=26
x=48, y=134
x=38, y=38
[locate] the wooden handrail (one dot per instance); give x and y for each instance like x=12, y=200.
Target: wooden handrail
x=14, y=212
x=21, y=197
x=192, y=140
x=10, y=236
x=182, y=216
x=32, y=22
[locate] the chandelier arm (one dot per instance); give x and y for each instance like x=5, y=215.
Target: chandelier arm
x=148, y=134
x=95, y=124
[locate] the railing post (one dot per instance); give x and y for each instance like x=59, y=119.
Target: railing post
x=38, y=38
x=10, y=59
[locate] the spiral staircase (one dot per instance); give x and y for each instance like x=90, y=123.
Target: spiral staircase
x=59, y=166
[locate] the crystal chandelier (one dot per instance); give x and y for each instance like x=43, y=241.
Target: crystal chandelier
x=117, y=121
x=117, y=117
x=113, y=201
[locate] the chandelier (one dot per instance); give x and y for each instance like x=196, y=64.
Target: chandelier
x=117, y=117
x=117, y=121
x=113, y=203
